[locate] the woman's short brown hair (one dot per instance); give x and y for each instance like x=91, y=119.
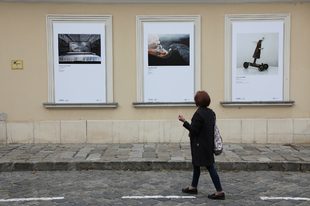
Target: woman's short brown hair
x=202, y=99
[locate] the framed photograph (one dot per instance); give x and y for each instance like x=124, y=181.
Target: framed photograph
x=80, y=61
x=169, y=49
x=257, y=58
x=79, y=48
x=168, y=63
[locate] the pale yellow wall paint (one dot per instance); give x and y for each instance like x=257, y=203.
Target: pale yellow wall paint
x=23, y=37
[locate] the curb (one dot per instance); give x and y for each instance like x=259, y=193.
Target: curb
x=150, y=165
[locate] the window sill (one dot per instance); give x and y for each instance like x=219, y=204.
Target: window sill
x=258, y=104
x=80, y=105
x=163, y=104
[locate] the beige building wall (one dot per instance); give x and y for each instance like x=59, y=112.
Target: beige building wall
x=22, y=92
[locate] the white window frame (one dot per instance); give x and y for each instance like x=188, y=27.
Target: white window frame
x=107, y=20
x=229, y=20
x=196, y=19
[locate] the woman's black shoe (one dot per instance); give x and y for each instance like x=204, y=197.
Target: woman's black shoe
x=220, y=196
x=187, y=190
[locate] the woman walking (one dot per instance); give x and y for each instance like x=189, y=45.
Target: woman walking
x=201, y=133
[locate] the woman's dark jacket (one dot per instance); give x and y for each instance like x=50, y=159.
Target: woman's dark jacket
x=202, y=137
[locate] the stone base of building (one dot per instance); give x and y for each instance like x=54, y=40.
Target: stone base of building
x=149, y=131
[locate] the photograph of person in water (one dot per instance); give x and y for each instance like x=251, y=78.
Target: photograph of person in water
x=168, y=50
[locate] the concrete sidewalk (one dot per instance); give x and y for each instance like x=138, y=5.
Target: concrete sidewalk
x=157, y=156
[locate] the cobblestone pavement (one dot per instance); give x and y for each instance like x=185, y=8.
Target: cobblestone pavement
x=108, y=187
x=55, y=157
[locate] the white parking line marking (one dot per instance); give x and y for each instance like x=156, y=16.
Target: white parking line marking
x=158, y=196
x=31, y=199
x=285, y=198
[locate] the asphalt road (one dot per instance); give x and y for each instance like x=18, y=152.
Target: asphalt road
x=109, y=187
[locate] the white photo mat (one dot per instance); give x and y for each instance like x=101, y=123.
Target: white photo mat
x=169, y=83
x=250, y=84
x=79, y=82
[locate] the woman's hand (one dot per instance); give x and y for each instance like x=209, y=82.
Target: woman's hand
x=181, y=118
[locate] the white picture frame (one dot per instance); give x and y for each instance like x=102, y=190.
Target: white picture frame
x=107, y=59
x=144, y=28
x=230, y=57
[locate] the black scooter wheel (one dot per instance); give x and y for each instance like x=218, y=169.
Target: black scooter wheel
x=265, y=66
x=245, y=65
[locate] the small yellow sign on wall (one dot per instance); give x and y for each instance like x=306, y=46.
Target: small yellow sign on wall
x=17, y=64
